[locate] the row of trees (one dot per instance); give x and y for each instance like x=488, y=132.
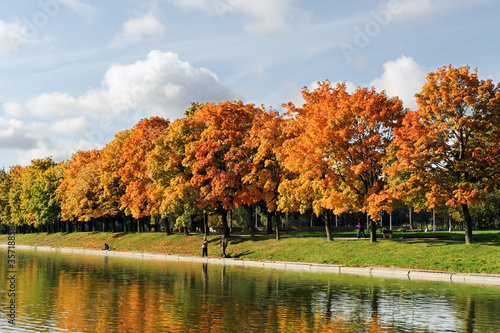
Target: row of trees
x=338, y=152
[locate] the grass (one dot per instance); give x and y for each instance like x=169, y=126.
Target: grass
x=442, y=251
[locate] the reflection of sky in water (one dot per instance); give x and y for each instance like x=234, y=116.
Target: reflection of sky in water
x=71, y=292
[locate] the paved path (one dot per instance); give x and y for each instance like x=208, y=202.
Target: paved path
x=382, y=272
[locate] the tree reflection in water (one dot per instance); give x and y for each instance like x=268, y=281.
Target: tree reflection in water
x=99, y=294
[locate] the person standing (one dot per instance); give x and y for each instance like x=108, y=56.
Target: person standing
x=361, y=228
x=204, y=246
x=223, y=245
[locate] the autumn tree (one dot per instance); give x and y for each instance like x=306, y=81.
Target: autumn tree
x=448, y=150
x=341, y=152
x=220, y=160
x=171, y=169
x=142, y=195
x=45, y=176
x=5, y=185
x=79, y=191
x=111, y=183
x=266, y=139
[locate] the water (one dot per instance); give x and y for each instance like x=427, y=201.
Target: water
x=61, y=292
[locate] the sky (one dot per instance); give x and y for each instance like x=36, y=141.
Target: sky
x=73, y=73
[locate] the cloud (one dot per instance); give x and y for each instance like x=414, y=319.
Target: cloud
x=15, y=135
x=403, y=77
x=135, y=30
x=12, y=35
x=81, y=8
x=60, y=124
x=58, y=150
x=425, y=10
x=264, y=17
x=71, y=125
x=161, y=84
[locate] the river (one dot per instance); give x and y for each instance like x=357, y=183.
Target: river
x=64, y=292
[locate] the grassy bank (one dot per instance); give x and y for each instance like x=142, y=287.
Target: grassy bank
x=436, y=251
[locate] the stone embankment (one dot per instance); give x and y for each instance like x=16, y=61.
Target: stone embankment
x=381, y=272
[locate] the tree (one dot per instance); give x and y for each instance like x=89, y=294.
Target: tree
x=142, y=195
x=266, y=138
x=79, y=191
x=45, y=178
x=220, y=160
x=448, y=150
x=171, y=168
x=5, y=185
x=340, y=153
x=112, y=185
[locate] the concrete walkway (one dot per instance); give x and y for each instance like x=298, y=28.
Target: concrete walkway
x=381, y=272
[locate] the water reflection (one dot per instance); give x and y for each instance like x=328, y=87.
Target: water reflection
x=81, y=293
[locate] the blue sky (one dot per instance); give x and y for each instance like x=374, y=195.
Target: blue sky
x=75, y=72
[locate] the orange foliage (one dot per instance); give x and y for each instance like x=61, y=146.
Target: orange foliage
x=171, y=167
x=447, y=152
x=219, y=159
x=341, y=148
x=142, y=195
x=111, y=183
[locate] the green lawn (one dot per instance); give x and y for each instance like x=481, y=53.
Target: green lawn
x=442, y=251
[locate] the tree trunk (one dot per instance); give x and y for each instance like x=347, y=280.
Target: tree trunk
x=157, y=223
x=164, y=221
x=124, y=225
x=277, y=217
x=251, y=224
x=269, y=223
x=193, y=222
x=468, y=224
x=328, y=226
x=205, y=224
x=224, y=222
x=373, y=229
x=112, y=221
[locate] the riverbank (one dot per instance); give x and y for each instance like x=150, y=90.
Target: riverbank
x=437, y=253
x=380, y=272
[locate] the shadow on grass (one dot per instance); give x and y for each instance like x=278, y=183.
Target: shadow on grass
x=119, y=234
x=238, y=255
x=241, y=239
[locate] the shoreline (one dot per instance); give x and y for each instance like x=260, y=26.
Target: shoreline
x=380, y=272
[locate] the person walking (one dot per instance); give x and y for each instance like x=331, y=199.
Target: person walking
x=204, y=246
x=361, y=228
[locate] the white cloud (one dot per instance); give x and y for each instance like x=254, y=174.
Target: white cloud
x=159, y=85
x=403, y=77
x=264, y=17
x=12, y=35
x=58, y=150
x=79, y=7
x=69, y=126
x=135, y=30
x=425, y=10
x=14, y=110
x=15, y=135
